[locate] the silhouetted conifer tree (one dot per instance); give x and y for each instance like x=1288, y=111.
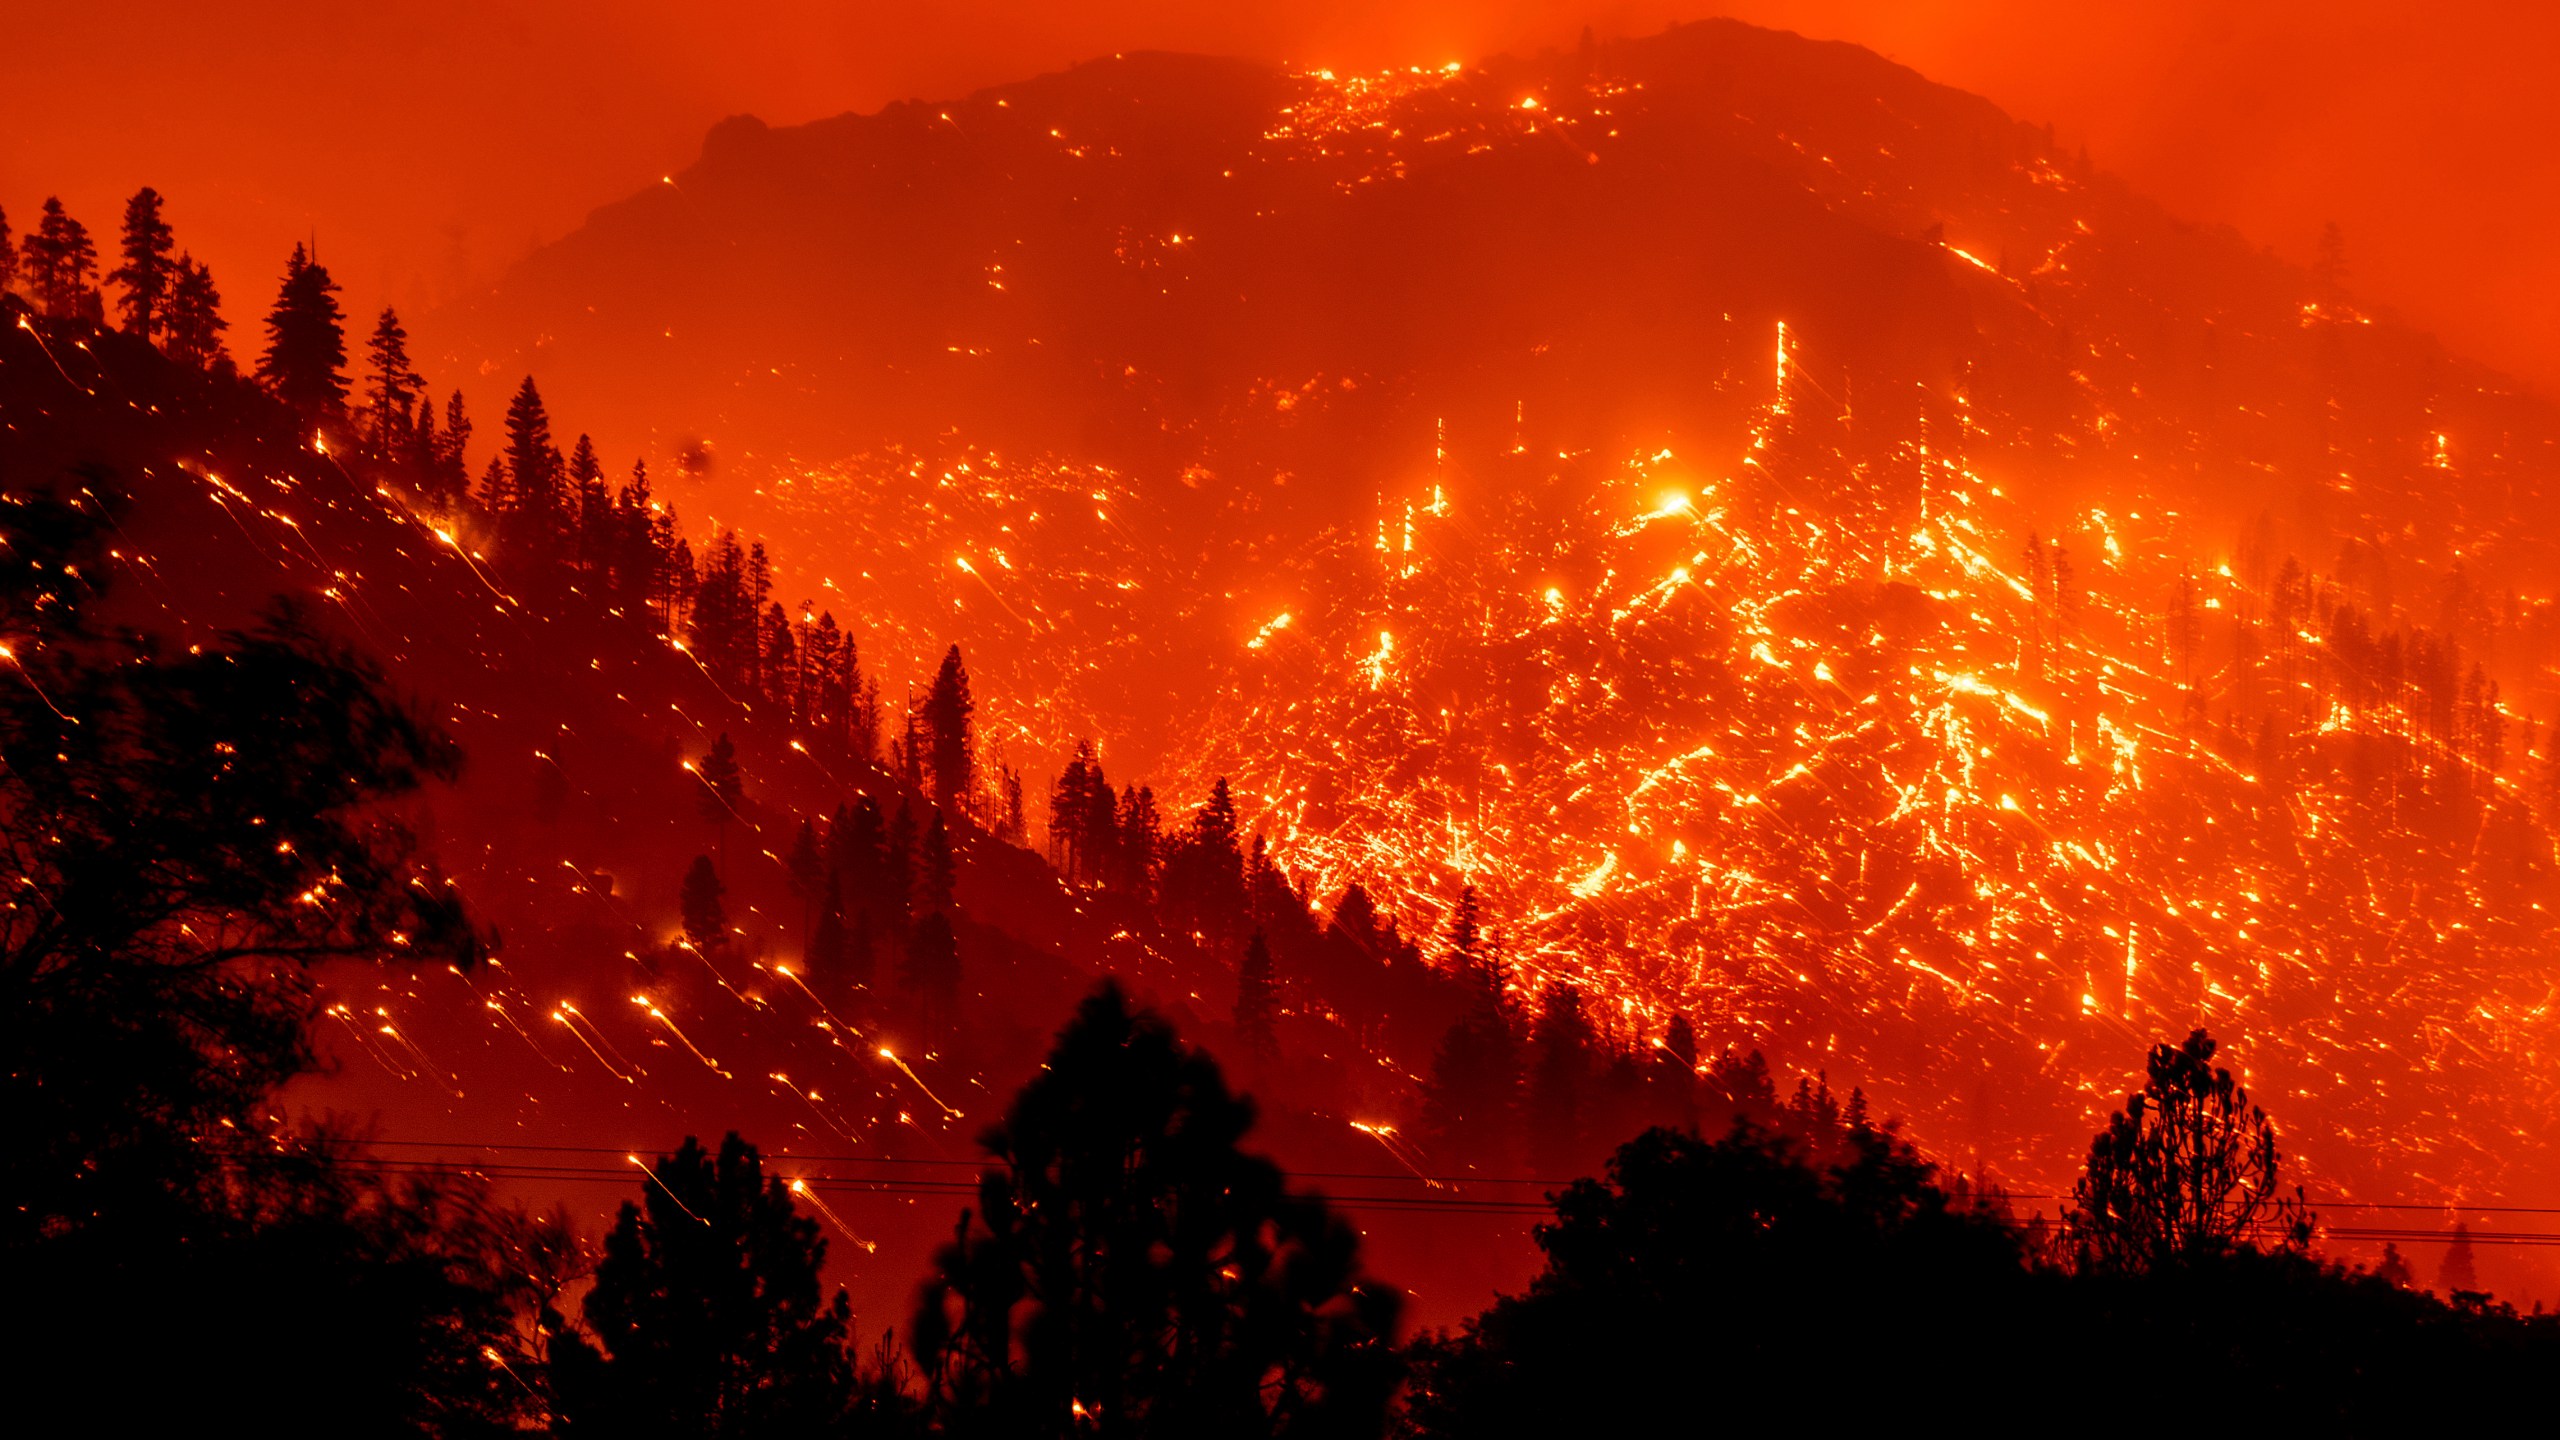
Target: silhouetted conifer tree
x=493, y=487
x=170, y=814
x=780, y=667
x=146, y=277
x=1139, y=851
x=1071, y=841
x=590, y=509
x=453, y=456
x=1204, y=873
x=723, y=788
x=947, y=708
x=707, y=1316
x=531, y=516
x=1130, y=1271
x=706, y=922
x=306, y=356
x=194, y=324
x=1466, y=932
x=60, y=259
x=394, y=387
x=2187, y=1168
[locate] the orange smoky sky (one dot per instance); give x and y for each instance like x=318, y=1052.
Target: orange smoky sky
x=429, y=143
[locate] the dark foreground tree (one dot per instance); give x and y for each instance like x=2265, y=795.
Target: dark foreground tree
x=707, y=1317
x=1739, y=1280
x=2188, y=1167
x=1130, y=1272
x=187, y=835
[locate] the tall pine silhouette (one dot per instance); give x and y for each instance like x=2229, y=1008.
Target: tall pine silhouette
x=707, y=1317
x=1130, y=1271
x=147, y=275
x=306, y=356
x=60, y=259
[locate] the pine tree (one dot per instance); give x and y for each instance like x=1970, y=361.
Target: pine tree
x=707, y=1316
x=591, y=507
x=60, y=258
x=1070, y=838
x=493, y=488
x=1140, y=846
x=1675, y=1075
x=453, y=457
x=1011, y=828
x=531, y=525
x=2189, y=1168
x=146, y=274
x=779, y=670
x=947, y=709
x=1257, y=1012
x=639, y=574
x=723, y=789
x=723, y=625
x=8, y=255
x=194, y=325
x=424, y=446
x=1466, y=958
x=394, y=386
x=306, y=354
x=862, y=723
x=706, y=924
x=1204, y=876
x=1129, y=1261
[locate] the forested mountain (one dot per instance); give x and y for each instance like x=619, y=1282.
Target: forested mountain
x=1817, y=557
x=1513, y=602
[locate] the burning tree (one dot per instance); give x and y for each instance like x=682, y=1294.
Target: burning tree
x=2188, y=1169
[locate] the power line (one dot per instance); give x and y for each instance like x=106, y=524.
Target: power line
x=1409, y=1177
x=912, y=1186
